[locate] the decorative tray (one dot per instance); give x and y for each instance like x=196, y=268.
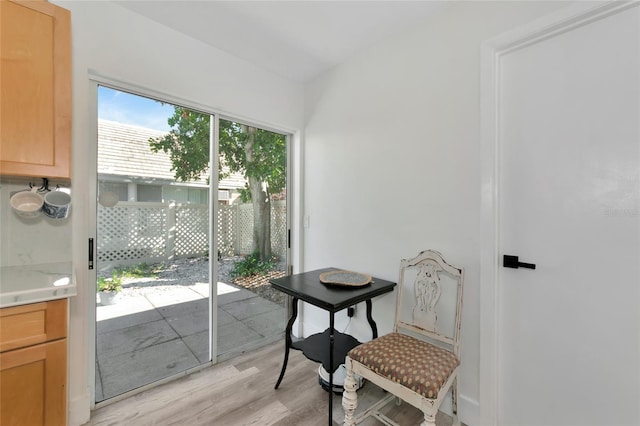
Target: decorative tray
x=345, y=278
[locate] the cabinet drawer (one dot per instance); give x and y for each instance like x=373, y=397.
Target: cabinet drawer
x=26, y=325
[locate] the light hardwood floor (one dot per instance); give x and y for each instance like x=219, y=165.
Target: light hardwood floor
x=240, y=392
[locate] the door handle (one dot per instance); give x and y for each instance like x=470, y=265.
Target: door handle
x=510, y=261
x=90, y=253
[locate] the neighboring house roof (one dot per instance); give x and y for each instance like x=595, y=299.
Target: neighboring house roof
x=124, y=152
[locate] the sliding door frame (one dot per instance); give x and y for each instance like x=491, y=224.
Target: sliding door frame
x=295, y=238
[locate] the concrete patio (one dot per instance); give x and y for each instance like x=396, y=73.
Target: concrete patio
x=147, y=337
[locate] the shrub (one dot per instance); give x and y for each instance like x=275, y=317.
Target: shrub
x=252, y=265
x=110, y=284
x=140, y=270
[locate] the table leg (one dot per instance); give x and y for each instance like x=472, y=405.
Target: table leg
x=331, y=344
x=287, y=338
x=372, y=323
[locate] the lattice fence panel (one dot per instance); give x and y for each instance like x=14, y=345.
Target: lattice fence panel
x=226, y=227
x=192, y=230
x=244, y=228
x=134, y=231
x=279, y=228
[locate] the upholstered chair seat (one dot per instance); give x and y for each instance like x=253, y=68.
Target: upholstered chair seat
x=417, y=365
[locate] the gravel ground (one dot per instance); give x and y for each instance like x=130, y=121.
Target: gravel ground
x=187, y=272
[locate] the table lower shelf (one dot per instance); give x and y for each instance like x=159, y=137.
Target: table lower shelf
x=315, y=347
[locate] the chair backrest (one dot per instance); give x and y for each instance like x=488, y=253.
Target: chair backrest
x=430, y=299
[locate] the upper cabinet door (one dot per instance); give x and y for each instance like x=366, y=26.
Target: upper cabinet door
x=35, y=79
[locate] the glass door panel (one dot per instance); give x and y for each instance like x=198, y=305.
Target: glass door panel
x=252, y=236
x=153, y=309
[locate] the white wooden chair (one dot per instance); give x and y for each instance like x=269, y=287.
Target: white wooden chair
x=418, y=362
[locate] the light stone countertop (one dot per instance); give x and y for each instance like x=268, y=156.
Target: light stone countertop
x=23, y=284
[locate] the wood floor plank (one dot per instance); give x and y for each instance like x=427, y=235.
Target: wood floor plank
x=168, y=400
x=239, y=392
x=263, y=412
x=203, y=407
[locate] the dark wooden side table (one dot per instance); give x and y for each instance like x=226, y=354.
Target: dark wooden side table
x=329, y=347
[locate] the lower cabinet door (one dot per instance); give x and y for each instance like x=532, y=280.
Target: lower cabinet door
x=33, y=385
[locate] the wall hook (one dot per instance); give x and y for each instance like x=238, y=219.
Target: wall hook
x=45, y=185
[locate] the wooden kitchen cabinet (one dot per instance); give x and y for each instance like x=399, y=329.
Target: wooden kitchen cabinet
x=33, y=364
x=35, y=80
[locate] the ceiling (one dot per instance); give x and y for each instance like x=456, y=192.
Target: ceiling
x=298, y=40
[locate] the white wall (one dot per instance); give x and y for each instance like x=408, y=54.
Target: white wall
x=113, y=42
x=392, y=148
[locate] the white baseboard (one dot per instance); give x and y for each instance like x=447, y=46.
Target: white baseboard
x=468, y=410
x=79, y=410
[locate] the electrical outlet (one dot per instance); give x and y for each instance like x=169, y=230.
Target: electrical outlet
x=351, y=311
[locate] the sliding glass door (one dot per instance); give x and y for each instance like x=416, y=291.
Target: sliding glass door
x=177, y=189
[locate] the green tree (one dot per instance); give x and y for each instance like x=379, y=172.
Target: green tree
x=258, y=153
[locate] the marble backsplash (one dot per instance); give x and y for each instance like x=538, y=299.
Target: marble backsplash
x=32, y=241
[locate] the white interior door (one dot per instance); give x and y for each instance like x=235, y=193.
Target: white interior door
x=569, y=202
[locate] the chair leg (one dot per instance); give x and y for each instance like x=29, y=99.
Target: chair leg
x=349, y=396
x=454, y=402
x=429, y=420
